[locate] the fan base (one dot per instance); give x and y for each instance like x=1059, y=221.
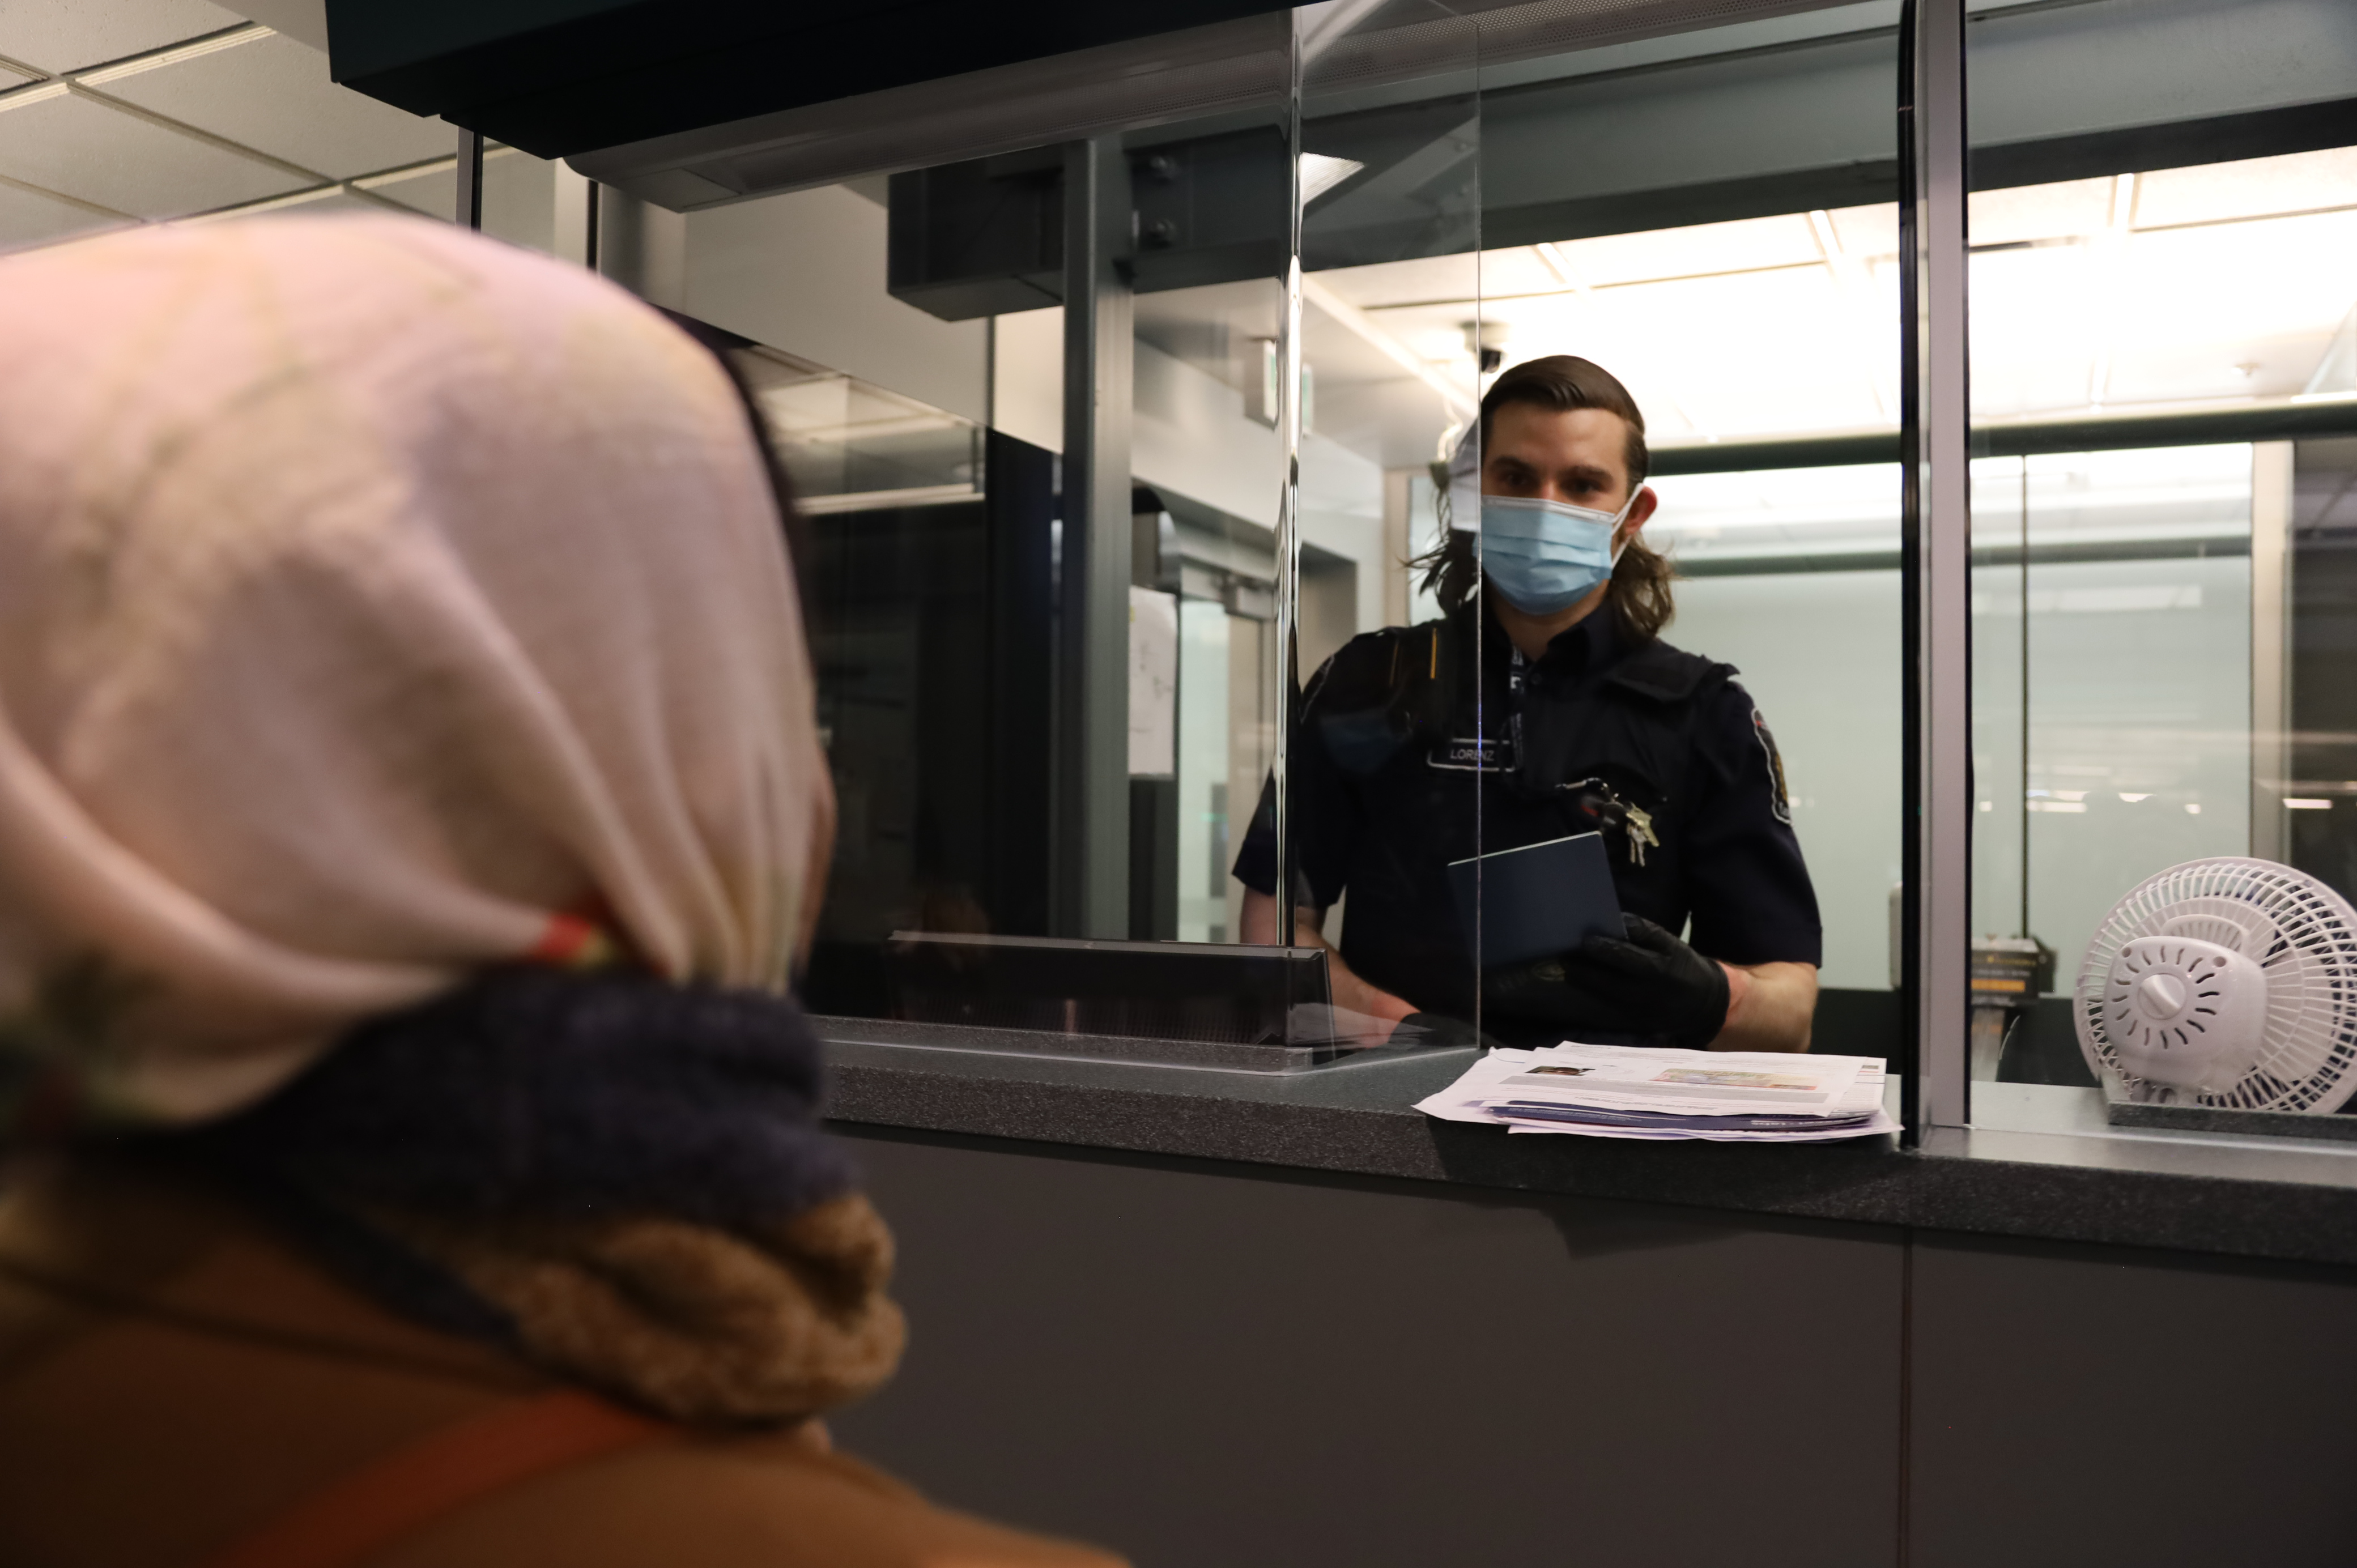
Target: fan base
x=2220, y=1119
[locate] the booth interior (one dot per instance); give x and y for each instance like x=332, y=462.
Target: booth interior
x=1052, y=704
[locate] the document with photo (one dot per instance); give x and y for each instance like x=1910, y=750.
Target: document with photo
x=1692, y=1084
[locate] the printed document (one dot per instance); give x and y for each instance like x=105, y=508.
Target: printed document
x=1628, y=1092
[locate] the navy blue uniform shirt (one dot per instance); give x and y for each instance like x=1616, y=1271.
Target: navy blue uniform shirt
x=1399, y=768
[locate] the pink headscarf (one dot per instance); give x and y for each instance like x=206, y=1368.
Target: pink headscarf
x=377, y=603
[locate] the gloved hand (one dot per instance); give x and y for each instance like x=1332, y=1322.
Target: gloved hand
x=1652, y=984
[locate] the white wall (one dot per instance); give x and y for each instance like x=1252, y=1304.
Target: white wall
x=1190, y=434
x=1819, y=652
x=804, y=273
x=1028, y=377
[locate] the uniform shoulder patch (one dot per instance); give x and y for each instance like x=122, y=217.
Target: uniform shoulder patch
x=1780, y=797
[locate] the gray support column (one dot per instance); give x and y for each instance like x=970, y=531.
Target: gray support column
x=576, y=211
x=642, y=247
x=1936, y=545
x=1289, y=509
x=2271, y=715
x=1091, y=775
x=469, y=209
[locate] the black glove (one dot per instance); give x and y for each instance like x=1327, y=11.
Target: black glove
x=1652, y=984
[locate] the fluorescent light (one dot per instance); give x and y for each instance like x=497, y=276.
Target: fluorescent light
x=2132, y=800
x=2071, y=794
x=2307, y=803
x=2073, y=807
x=2193, y=809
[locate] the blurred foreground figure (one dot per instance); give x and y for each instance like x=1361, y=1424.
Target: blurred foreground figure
x=410, y=811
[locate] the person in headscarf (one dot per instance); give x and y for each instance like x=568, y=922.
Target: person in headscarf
x=411, y=812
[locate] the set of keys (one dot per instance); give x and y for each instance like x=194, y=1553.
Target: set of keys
x=1604, y=804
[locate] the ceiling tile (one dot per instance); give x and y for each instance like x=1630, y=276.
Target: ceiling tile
x=70, y=35
x=79, y=147
x=433, y=191
x=28, y=218
x=304, y=19
x=326, y=199
x=273, y=94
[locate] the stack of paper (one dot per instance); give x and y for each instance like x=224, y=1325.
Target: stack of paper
x=1629, y=1091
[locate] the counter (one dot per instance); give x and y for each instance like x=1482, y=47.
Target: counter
x=2060, y=1174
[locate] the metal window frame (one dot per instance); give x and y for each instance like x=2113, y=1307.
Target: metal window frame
x=1936, y=564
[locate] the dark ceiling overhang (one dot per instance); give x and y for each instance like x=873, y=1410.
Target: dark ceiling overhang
x=558, y=77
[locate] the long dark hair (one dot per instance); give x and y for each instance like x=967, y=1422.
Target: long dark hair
x=1639, y=596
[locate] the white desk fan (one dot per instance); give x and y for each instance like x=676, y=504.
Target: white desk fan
x=2225, y=983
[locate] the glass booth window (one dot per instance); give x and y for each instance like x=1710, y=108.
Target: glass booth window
x=1740, y=291
x=1085, y=667
x=2164, y=376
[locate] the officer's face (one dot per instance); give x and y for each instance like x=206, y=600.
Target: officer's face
x=1575, y=455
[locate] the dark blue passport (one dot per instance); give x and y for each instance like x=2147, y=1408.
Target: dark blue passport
x=1540, y=901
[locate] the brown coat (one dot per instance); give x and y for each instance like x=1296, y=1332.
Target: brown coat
x=173, y=1379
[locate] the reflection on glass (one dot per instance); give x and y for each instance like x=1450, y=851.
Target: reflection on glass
x=849, y=444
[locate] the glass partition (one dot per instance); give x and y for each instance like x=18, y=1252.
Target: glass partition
x=1376, y=800
x=1034, y=400
x=2164, y=282
x=1707, y=215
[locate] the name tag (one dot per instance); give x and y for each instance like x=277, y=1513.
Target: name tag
x=1471, y=754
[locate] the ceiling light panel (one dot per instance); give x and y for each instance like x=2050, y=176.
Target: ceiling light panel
x=2031, y=212
x=1748, y=354
x=2228, y=310
x=1745, y=245
x=2298, y=182
x=1513, y=272
x=29, y=218
x=58, y=35
x=1422, y=279
x=273, y=94
x=2036, y=331
x=81, y=148
x=1868, y=232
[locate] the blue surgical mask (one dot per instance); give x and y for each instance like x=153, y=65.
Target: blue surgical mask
x=1545, y=556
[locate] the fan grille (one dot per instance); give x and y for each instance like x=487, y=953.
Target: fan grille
x=2302, y=934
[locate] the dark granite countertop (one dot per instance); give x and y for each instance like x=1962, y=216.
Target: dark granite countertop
x=2055, y=1171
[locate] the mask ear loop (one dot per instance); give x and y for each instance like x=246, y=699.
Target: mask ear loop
x=1628, y=506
